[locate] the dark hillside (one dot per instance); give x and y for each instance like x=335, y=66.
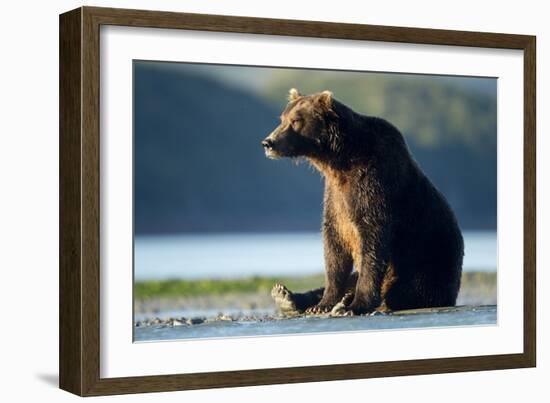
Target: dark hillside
x=199, y=165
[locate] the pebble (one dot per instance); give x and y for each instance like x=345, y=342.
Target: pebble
x=195, y=321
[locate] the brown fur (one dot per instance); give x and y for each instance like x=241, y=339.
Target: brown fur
x=390, y=278
x=382, y=215
x=346, y=229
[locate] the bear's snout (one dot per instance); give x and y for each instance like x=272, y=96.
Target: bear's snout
x=269, y=147
x=267, y=143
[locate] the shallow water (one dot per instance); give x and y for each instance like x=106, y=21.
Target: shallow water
x=467, y=316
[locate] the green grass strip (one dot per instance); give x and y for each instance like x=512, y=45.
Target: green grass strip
x=192, y=288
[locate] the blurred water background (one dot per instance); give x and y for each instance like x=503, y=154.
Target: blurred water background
x=263, y=254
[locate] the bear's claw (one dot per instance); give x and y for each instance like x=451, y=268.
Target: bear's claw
x=318, y=309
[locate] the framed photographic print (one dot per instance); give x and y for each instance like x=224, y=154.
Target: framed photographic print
x=249, y=201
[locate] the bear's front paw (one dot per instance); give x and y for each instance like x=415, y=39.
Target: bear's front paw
x=383, y=309
x=360, y=308
x=341, y=308
x=319, y=309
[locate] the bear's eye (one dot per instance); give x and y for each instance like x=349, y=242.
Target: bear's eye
x=296, y=124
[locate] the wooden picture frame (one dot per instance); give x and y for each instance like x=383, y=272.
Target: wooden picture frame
x=79, y=317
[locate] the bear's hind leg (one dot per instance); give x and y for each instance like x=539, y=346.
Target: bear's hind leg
x=294, y=303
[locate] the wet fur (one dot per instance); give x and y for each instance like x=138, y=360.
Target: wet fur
x=382, y=216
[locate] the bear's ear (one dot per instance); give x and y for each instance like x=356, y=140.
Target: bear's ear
x=293, y=94
x=325, y=98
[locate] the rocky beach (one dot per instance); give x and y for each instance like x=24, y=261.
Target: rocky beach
x=232, y=304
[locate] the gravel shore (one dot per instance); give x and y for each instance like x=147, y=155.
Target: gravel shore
x=178, y=321
x=186, y=311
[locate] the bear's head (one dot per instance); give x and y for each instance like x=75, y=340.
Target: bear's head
x=308, y=127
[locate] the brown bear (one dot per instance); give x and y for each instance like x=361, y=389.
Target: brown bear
x=382, y=216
